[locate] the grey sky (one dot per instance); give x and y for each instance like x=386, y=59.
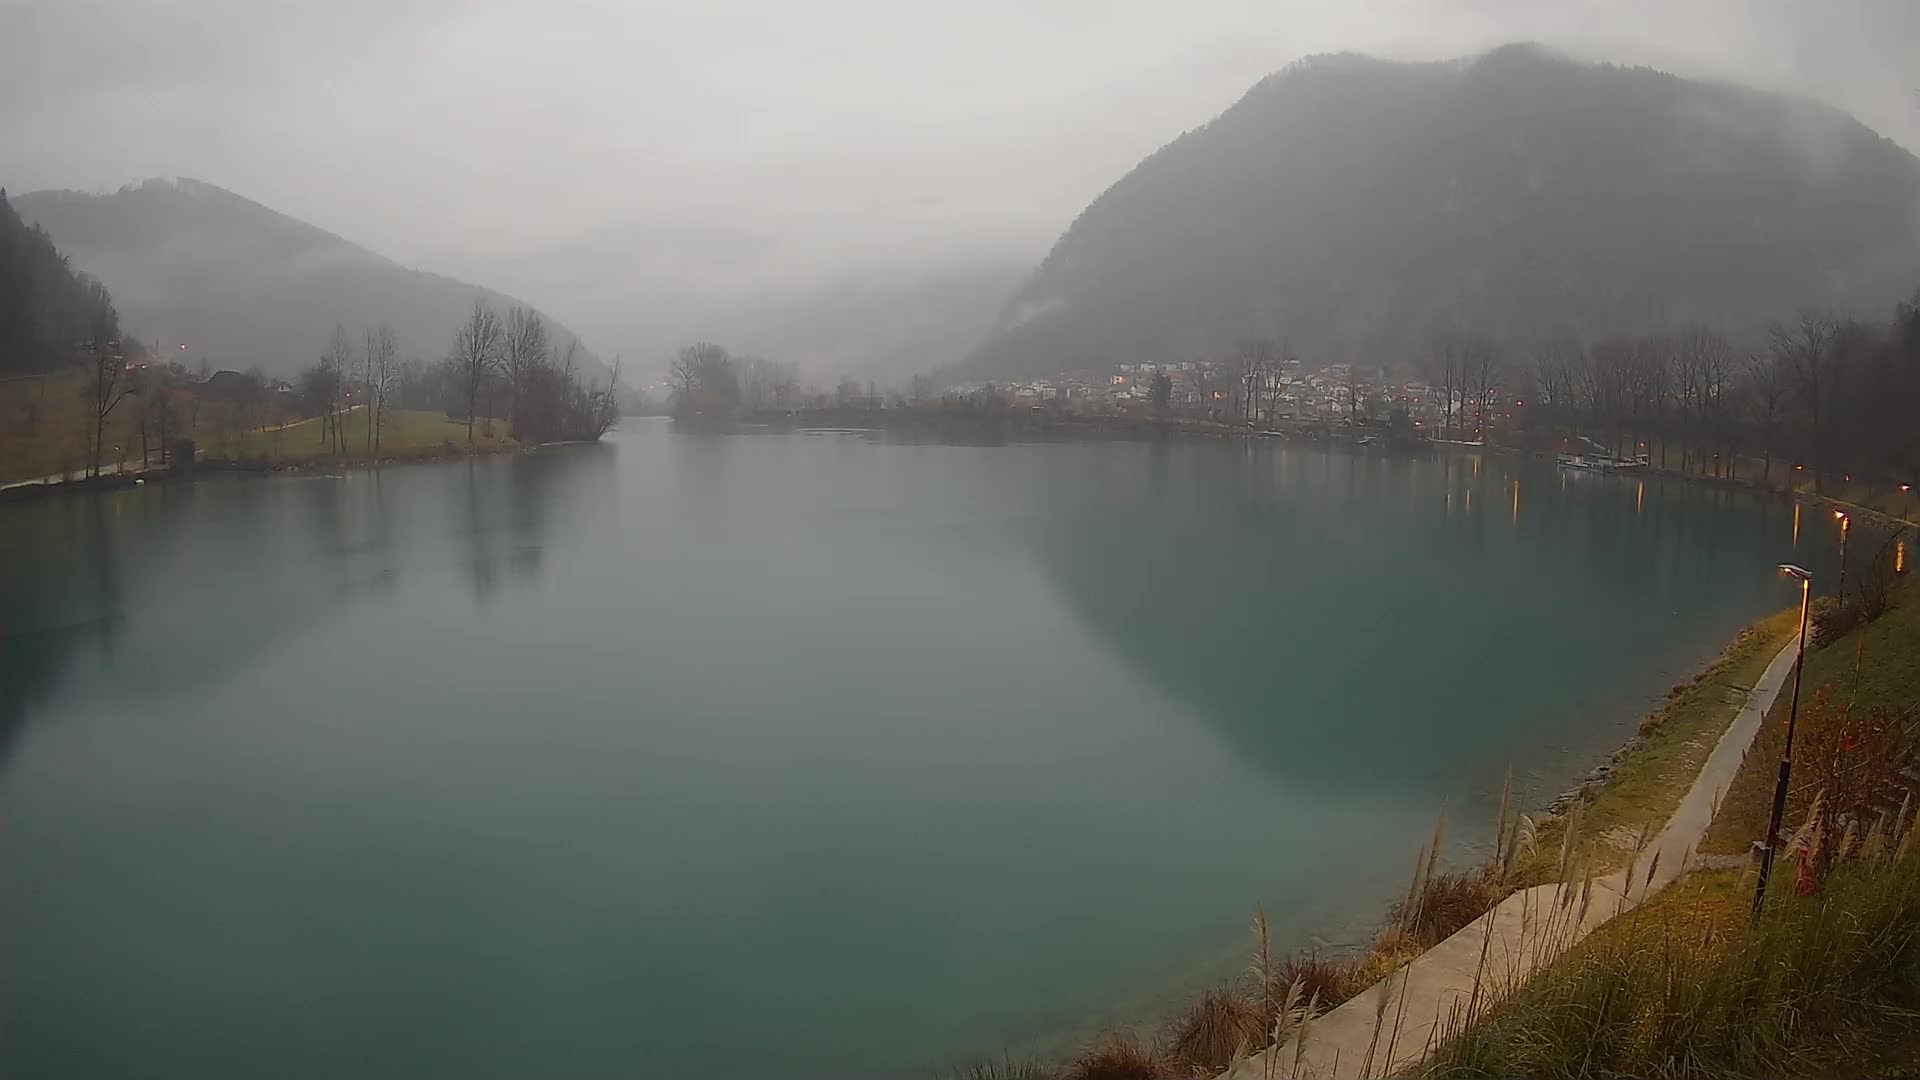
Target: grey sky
x=748, y=145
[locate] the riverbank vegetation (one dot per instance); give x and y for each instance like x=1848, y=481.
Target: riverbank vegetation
x=77, y=398
x=1814, y=403
x=1828, y=978
x=1685, y=985
x=1850, y=779
x=360, y=404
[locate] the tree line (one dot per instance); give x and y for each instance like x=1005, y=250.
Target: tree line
x=706, y=380
x=1827, y=393
x=509, y=364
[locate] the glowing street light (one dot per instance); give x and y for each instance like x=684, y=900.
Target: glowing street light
x=1840, y=589
x=1805, y=577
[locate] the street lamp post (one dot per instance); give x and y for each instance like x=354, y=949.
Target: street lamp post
x=1786, y=755
x=1840, y=589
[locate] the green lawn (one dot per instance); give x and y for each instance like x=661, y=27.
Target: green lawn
x=407, y=434
x=45, y=426
x=44, y=431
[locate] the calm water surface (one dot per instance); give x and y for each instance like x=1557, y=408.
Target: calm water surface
x=684, y=754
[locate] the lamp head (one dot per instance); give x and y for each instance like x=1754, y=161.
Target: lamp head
x=1799, y=572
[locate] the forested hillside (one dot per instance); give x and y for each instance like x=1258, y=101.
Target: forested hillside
x=1353, y=208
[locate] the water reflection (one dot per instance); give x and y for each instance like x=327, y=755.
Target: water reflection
x=169, y=587
x=1343, y=641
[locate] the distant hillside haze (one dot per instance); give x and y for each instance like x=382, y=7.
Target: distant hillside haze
x=240, y=284
x=1354, y=207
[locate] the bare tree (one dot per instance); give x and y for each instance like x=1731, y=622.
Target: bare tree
x=1768, y=383
x=382, y=356
x=1653, y=384
x=1351, y=383
x=1253, y=359
x=1700, y=367
x=337, y=361
x=1555, y=363
x=1444, y=377
x=158, y=418
x=1462, y=369
x=705, y=380
x=1480, y=362
x=1806, y=349
x=109, y=385
x=523, y=348
x=759, y=382
x=475, y=356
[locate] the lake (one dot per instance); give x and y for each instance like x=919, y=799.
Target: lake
x=686, y=754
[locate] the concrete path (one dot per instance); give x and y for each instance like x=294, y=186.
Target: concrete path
x=1394, y=1024
x=108, y=469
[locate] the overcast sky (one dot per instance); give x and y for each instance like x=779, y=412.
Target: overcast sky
x=830, y=133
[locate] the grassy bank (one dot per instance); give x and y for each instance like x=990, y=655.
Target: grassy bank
x=1647, y=778
x=1876, y=666
x=1828, y=981
x=45, y=424
x=44, y=431
x=1823, y=984
x=1643, y=785
x=406, y=435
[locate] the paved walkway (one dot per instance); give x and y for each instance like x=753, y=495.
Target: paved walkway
x=1482, y=963
x=107, y=469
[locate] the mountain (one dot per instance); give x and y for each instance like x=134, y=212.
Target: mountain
x=1353, y=207
x=241, y=284
x=47, y=311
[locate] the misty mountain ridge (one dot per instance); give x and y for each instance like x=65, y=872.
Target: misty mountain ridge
x=1354, y=207
x=241, y=284
x=649, y=287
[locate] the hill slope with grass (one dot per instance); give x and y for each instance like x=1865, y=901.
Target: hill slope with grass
x=243, y=285
x=1353, y=207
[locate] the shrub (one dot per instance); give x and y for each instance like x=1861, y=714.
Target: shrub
x=1217, y=1030
x=1005, y=1068
x=1829, y=619
x=1445, y=902
x=1118, y=1056
x=1332, y=981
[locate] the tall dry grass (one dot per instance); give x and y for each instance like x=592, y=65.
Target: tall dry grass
x=1707, y=994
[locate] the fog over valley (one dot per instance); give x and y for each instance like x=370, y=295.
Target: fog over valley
x=705, y=539
x=855, y=186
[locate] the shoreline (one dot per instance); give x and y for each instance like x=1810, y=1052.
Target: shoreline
x=1754, y=650
x=1535, y=925
x=26, y=491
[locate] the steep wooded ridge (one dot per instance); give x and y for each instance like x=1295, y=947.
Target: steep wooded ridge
x=242, y=284
x=46, y=310
x=1354, y=207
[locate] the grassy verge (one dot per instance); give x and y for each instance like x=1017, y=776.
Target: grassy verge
x=44, y=431
x=1685, y=986
x=1827, y=982
x=45, y=425
x=1874, y=665
x=407, y=435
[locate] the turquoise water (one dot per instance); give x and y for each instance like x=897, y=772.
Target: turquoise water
x=688, y=753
